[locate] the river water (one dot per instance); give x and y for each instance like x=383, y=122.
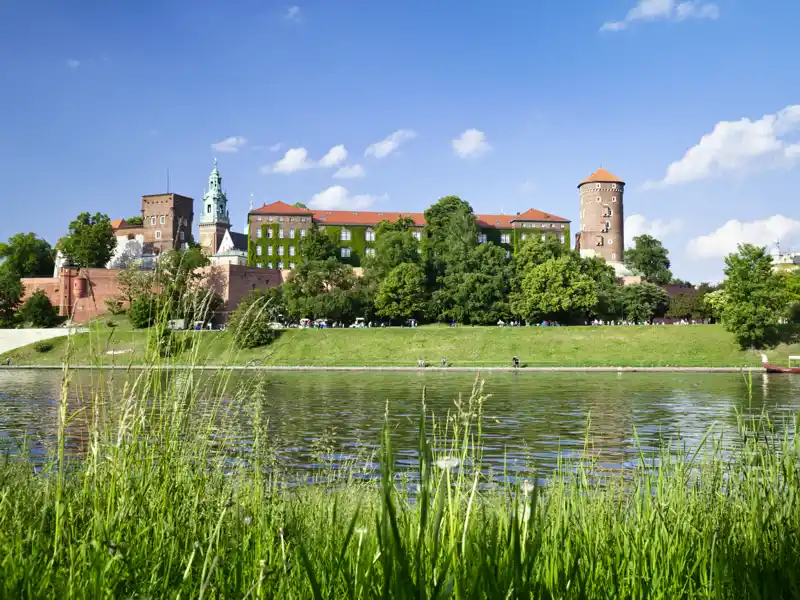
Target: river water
x=530, y=418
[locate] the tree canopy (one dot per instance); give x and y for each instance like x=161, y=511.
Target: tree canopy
x=90, y=241
x=401, y=294
x=644, y=301
x=650, y=259
x=11, y=291
x=26, y=255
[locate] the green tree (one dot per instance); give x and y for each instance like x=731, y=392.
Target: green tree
x=401, y=295
x=250, y=324
x=649, y=258
x=756, y=297
x=644, y=301
x=38, y=311
x=558, y=289
x=610, y=301
x=395, y=245
x=143, y=311
x=322, y=289
x=26, y=255
x=534, y=251
x=11, y=291
x=90, y=241
x=317, y=245
x=136, y=221
x=688, y=305
x=178, y=278
x=134, y=282
x=449, y=232
x=300, y=205
x=715, y=302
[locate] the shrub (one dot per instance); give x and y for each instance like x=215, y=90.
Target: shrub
x=111, y=323
x=165, y=343
x=250, y=322
x=115, y=306
x=142, y=313
x=43, y=346
x=38, y=311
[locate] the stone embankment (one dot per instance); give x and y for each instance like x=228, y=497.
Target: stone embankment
x=11, y=339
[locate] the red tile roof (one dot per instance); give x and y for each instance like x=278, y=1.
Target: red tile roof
x=601, y=176
x=280, y=208
x=374, y=218
x=119, y=223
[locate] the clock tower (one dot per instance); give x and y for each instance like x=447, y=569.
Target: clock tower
x=214, y=218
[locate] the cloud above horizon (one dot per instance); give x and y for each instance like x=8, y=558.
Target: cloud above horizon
x=739, y=146
x=391, y=143
x=337, y=197
x=764, y=232
x=230, y=144
x=471, y=144
x=297, y=159
x=292, y=14
x=350, y=172
x=664, y=10
x=636, y=225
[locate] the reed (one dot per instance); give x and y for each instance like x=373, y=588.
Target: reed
x=165, y=503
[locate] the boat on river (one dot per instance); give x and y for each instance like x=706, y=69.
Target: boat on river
x=777, y=368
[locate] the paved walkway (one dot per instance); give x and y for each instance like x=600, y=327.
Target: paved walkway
x=418, y=369
x=11, y=339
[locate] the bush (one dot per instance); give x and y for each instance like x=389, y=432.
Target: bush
x=43, y=346
x=142, y=313
x=38, y=311
x=165, y=343
x=250, y=322
x=111, y=323
x=115, y=306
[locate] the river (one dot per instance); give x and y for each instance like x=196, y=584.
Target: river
x=323, y=417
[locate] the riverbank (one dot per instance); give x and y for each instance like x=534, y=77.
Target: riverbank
x=670, y=346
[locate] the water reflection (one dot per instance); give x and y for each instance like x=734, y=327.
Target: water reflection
x=529, y=417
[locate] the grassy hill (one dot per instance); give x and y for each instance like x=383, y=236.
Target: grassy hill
x=670, y=345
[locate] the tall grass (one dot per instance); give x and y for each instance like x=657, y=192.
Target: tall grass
x=166, y=504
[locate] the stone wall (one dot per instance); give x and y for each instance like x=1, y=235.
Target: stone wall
x=79, y=294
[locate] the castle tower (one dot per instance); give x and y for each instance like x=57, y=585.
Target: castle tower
x=602, y=218
x=214, y=219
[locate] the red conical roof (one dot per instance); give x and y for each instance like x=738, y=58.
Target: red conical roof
x=601, y=176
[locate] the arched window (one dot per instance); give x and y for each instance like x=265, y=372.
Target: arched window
x=598, y=240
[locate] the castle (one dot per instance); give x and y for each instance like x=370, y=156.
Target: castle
x=264, y=254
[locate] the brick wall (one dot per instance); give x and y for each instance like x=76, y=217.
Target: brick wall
x=78, y=293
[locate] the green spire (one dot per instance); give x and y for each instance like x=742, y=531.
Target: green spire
x=215, y=202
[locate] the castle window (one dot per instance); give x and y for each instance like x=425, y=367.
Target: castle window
x=158, y=234
x=610, y=241
x=270, y=218
x=258, y=250
x=598, y=240
x=280, y=265
x=292, y=219
x=291, y=265
x=269, y=265
x=613, y=186
x=613, y=198
x=369, y=251
x=505, y=238
x=561, y=237
x=597, y=186
x=345, y=235
x=417, y=235
x=152, y=220
x=280, y=250
x=162, y=219
x=280, y=219
x=181, y=236
x=345, y=252
x=544, y=235
x=606, y=227
x=269, y=250
x=481, y=238
x=208, y=210
x=562, y=226
x=291, y=233
x=613, y=256
x=258, y=265
x=291, y=250
x=606, y=211
x=270, y=233
x=597, y=199
x=281, y=233
x=508, y=254
x=370, y=235
x=524, y=236
x=302, y=233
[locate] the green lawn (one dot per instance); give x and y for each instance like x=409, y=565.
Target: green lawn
x=670, y=345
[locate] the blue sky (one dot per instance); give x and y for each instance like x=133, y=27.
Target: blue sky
x=508, y=105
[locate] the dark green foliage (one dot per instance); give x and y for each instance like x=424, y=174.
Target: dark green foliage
x=688, y=305
x=450, y=229
x=315, y=246
x=136, y=221
x=644, y=302
x=395, y=245
x=11, y=291
x=401, y=294
x=25, y=255
x=90, y=241
x=179, y=280
x=756, y=297
x=650, y=259
x=43, y=347
x=143, y=311
x=323, y=289
x=114, y=306
x=250, y=324
x=38, y=311
x=165, y=343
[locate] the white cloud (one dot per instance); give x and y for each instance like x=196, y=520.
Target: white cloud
x=350, y=172
x=765, y=232
x=73, y=63
x=292, y=14
x=526, y=187
x=735, y=146
x=471, y=144
x=664, y=10
x=338, y=198
x=275, y=147
x=636, y=225
x=335, y=156
x=295, y=159
x=230, y=144
x=390, y=144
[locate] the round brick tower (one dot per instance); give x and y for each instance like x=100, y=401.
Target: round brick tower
x=602, y=217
